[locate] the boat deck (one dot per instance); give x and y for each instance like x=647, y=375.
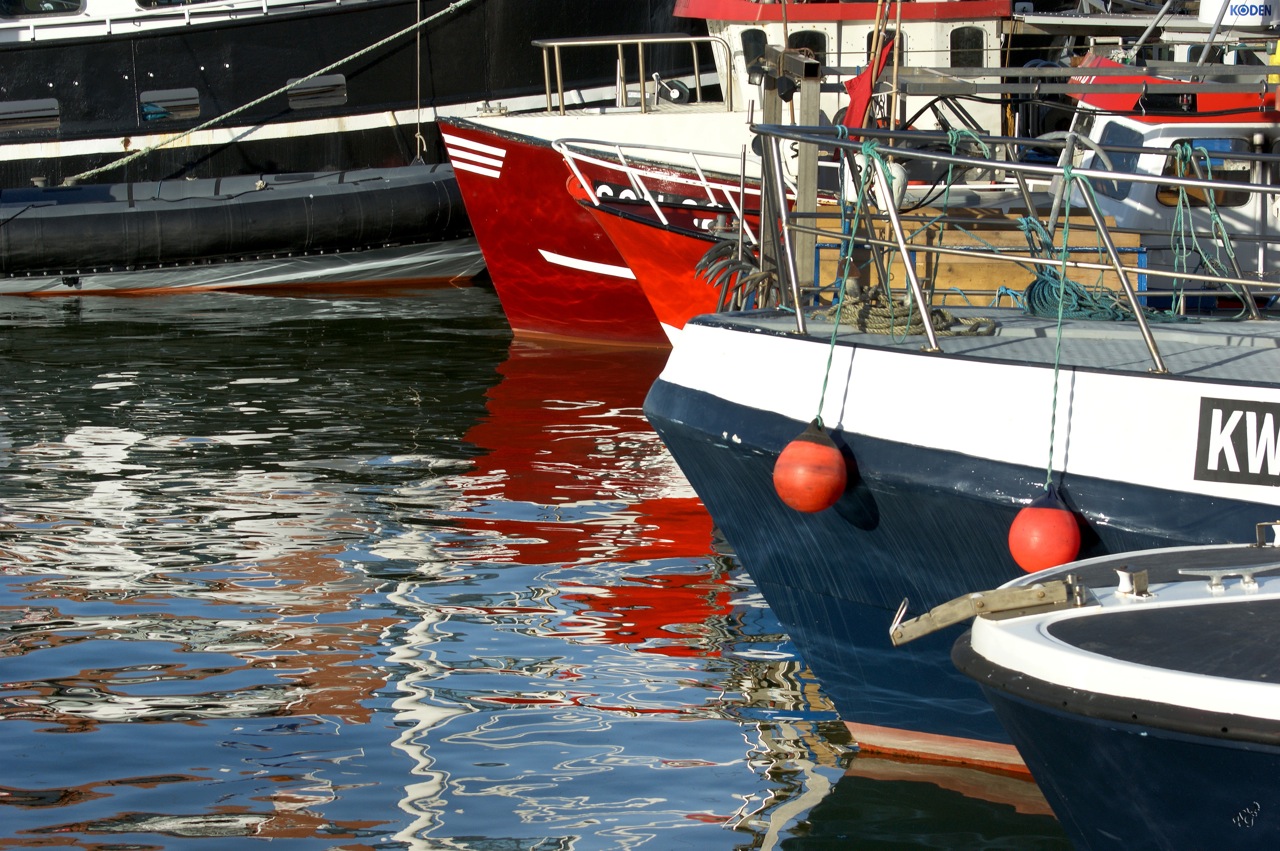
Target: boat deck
x=1207, y=612
x=1213, y=349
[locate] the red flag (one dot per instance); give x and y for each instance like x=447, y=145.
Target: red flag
x=860, y=89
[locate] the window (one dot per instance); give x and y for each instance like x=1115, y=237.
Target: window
x=42, y=114
x=1209, y=158
x=27, y=8
x=327, y=90
x=871, y=45
x=967, y=45
x=163, y=4
x=753, y=44
x=811, y=40
x=1122, y=161
x=169, y=103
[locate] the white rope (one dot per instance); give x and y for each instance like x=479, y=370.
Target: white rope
x=450, y=9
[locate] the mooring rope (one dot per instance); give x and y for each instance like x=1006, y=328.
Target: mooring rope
x=448, y=10
x=419, y=142
x=876, y=314
x=1182, y=233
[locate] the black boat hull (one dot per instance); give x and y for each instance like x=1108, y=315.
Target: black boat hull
x=401, y=224
x=74, y=104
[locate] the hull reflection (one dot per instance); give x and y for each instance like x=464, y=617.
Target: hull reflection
x=577, y=566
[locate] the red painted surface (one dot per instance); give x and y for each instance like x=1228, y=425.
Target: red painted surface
x=521, y=210
x=1224, y=107
x=662, y=258
x=748, y=11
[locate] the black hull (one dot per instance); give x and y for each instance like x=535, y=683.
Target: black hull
x=94, y=229
x=1133, y=787
x=480, y=52
x=915, y=523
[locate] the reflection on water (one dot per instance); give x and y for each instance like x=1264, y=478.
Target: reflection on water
x=362, y=572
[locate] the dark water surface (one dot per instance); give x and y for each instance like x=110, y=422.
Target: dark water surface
x=362, y=572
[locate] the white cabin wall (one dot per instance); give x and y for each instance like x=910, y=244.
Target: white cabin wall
x=926, y=43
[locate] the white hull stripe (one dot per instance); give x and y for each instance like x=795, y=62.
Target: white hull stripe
x=587, y=265
x=785, y=375
x=480, y=147
x=462, y=165
x=456, y=154
x=475, y=157
x=226, y=135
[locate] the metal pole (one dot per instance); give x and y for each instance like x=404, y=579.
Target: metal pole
x=917, y=292
x=1141, y=318
x=779, y=192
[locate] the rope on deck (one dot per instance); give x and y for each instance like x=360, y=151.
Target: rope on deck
x=876, y=314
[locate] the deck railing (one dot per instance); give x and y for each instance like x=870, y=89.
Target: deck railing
x=714, y=180
x=552, y=49
x=873, y=161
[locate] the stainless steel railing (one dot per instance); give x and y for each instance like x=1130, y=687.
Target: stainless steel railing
x=552, y=49
x=651, y=172
x=870, y=187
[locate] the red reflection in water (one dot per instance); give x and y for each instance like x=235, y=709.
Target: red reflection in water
x=584, y=476
x=574, y=474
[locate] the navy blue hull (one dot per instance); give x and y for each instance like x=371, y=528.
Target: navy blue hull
x=1162, y=790
x=913, y=523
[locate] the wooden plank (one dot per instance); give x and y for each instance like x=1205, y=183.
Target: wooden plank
x=983, y=230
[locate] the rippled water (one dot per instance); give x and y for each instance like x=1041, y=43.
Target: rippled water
x=362, y=572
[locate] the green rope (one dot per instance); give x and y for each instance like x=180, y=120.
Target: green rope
x=211, y=122
x=1057, y=348
x=1050, y=293
x=847, y=229
x=1182, y=232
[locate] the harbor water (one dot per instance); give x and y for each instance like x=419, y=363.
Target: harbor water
x=360, y=571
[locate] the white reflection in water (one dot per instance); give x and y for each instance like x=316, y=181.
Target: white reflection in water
x=261, y=584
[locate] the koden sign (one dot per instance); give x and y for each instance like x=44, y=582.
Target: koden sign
x=1237, y=14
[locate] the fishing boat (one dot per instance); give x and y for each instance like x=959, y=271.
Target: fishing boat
x=558, y=274
x=119, y=90
x=108, y=99
x=376, y=226
x=1141, y=690
x=679, y=233
x=880, y=437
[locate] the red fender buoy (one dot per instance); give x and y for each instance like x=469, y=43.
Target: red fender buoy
x=1044, y=534
x=810, y=473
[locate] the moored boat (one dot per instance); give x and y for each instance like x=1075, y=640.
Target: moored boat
x=273, y=86
x=1145, y=700
x=826, y=63
x=558, y=274
x=382, y=225
x=948, y=423
x=101, y=95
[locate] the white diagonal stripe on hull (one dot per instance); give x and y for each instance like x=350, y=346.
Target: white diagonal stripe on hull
x=587, y=265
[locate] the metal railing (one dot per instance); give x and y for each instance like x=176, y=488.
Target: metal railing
x=1070, y=184
x=551, y=57
x=664, y=177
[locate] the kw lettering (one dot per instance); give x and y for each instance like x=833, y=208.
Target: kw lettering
x=1238, y=442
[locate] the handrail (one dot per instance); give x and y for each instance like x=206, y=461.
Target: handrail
x=551, y=48
x=721, y=187
x=1138, y=315
x=1080, y=179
